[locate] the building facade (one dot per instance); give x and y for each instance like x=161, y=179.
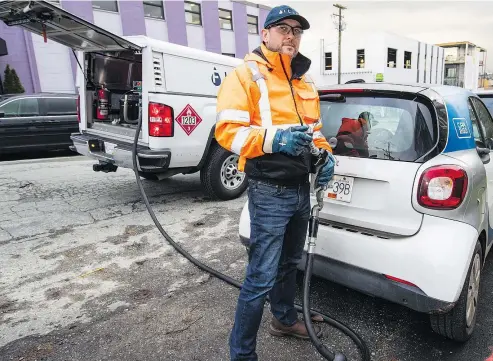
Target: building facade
x=230, y=27
x=464, y=64
x=375, y=56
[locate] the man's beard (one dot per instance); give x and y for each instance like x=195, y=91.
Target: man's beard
x=278, y=49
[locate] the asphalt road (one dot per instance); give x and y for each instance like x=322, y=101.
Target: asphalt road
x=85, y=275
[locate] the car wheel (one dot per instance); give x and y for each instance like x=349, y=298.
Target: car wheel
x=220, y=176
x=458, y=324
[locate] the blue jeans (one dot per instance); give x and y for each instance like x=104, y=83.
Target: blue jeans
x=279, y=221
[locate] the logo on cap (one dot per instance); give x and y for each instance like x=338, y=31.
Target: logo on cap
x=288, y=10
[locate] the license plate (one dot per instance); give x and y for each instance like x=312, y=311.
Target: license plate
x=340, y=188
x=109, y=148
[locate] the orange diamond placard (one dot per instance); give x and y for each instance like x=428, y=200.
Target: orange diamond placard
x=188, y=119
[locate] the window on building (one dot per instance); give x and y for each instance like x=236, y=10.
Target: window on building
x=229, y=54
x=226, y=19
x=105, y=5
x=391, y=58
x=154, y=9
x=360, y=58
x=252, y=24
x=193, y=13
x=328, y=61
x=407, y=60
x=451, y=72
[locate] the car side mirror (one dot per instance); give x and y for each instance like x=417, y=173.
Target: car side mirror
x=2, y=114
x=484, y=154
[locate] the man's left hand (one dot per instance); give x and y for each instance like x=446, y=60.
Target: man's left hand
x=327, y=171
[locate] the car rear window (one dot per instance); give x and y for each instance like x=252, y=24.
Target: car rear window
x=379, y=127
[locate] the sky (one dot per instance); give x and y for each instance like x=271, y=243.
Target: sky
x=428, y=21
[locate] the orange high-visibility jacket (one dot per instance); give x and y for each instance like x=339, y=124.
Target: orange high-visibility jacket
x=267, y=92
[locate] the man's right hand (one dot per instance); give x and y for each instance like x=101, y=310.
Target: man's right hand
x=291, y=141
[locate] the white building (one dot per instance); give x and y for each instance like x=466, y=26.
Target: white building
x=464, y=64
x=374, y=56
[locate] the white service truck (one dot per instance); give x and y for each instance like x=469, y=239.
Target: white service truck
x=172, y=87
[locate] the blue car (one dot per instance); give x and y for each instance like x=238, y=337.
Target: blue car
x=408, y=214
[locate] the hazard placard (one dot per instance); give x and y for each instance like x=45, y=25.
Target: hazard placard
x=188, y=119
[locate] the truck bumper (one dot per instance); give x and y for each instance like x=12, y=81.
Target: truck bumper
x=119, y=153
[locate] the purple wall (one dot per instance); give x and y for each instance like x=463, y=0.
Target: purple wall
x=82, y=9
x=132, y=17
x=210, y=21
x=31, y=58
x=20, y=57
x=240, y=26
x=261, y=19
x=175, y=20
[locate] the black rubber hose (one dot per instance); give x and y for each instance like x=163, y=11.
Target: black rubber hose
x=357, y=339
x=321, y=348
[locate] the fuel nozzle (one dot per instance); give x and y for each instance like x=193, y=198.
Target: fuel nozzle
x=318, y=160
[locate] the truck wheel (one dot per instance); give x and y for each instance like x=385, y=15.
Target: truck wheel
x=458, y=324
x=220, y=176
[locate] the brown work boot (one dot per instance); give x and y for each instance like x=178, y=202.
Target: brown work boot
x=298, y=330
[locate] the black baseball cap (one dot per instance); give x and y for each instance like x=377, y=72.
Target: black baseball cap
x=282, y=12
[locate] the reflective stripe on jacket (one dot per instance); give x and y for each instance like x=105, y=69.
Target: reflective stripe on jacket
x=266, y=93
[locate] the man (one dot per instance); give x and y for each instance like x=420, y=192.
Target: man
x=263, y=108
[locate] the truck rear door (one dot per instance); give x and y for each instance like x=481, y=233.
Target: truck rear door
x=48, y=20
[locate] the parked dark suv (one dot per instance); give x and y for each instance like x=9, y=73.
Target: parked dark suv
x=37, y=122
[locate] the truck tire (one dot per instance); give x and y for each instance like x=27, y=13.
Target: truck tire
x=220, y=176
x=458, y=324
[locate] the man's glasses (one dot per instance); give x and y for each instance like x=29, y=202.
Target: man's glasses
x=285, y=29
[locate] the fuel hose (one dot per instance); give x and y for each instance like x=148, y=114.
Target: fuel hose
x=305, y=309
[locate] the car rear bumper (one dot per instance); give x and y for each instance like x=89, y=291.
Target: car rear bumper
x=152, y=161
x=376, y=285
x=424, y=272
x=372, y=283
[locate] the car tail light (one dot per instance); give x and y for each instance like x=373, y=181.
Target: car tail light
x=160, y=120
x=442, y=187
x=78, y=108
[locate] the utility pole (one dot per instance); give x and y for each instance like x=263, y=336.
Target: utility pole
x=339, y=24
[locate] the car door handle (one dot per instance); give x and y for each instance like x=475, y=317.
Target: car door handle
x=53, y=121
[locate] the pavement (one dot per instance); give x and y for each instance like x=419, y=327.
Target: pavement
x=85, y=275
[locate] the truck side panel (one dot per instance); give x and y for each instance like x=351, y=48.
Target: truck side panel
x=191, y=89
